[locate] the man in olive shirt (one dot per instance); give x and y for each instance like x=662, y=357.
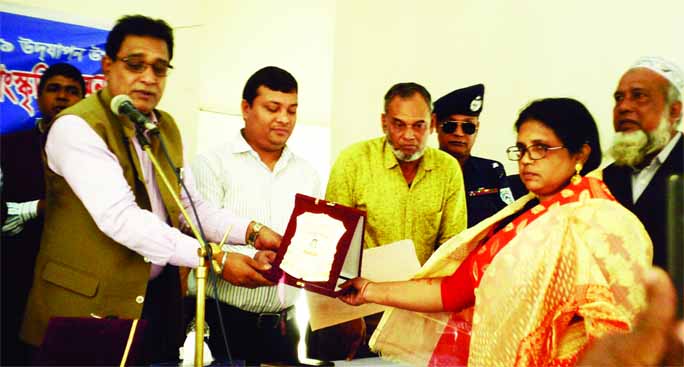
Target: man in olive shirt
x=408, y=190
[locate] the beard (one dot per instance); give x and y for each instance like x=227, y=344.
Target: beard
x=632, y=148
x=403, y=157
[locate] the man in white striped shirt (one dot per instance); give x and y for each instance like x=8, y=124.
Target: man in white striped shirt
x=257, y=175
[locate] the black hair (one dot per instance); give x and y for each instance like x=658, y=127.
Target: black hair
x=571, y=122
x=272, y=77
x=63, y=69
x=407, y=90
x=138, y=25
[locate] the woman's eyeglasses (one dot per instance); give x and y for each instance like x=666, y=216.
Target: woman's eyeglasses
x=536, y=151
x=449, y=127
x=138, y=65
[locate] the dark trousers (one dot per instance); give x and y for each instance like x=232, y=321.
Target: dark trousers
x=163, y=332
x=252, y=337
x=18, y=256
x=163, y=311
x=335, y=342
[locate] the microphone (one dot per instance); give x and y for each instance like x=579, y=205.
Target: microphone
x=122, y=104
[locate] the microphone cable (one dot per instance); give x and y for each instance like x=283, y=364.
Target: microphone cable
x=141, y=128
x=214, y=277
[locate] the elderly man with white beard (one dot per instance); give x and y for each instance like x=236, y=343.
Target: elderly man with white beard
x=648, y=145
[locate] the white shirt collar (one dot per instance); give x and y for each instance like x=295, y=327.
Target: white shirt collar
x=665, y=152
x=239, y=145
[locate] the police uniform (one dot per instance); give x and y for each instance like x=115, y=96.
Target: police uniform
x=487, y=188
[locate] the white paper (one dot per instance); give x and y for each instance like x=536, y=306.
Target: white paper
x=393, y=262
x=351, y=268
x=187, y=351
x=312, y=249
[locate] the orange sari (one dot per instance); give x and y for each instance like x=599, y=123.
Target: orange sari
x=560, y=275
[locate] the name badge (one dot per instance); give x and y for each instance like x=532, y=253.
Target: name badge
x=483, y=191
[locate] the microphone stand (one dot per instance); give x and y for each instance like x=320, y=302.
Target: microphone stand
x=205, y=252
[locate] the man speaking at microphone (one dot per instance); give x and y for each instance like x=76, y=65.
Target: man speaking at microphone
x=110, y=243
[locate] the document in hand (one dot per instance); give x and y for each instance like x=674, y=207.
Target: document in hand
x=392, y=262
x=321, y=248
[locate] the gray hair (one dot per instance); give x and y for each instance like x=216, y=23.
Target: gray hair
x=407, y=90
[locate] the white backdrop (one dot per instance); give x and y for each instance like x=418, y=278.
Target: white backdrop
x=346, y=54
x=520, y=50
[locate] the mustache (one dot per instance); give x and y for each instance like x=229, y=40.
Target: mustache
x=622, y=122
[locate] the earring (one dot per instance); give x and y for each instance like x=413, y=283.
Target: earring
x=576, y=178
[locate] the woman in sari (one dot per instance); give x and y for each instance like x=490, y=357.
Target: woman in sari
x=537, y=282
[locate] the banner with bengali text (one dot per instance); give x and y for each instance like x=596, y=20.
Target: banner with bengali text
x=30, y=45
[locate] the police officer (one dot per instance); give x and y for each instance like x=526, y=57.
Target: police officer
x=487, y=190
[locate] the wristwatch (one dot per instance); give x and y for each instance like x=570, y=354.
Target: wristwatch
x=251, y=239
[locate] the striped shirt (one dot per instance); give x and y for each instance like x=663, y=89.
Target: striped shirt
x=233, y=176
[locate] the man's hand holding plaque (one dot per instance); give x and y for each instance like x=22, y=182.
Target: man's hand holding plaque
x=263, y=237
x=323, y=242
x=244, y=271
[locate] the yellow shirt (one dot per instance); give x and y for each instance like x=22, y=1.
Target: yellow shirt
x=367, y=176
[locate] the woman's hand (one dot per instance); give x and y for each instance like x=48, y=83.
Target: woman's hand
x=354, y=291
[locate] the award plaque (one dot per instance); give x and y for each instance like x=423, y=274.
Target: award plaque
x=321, y=247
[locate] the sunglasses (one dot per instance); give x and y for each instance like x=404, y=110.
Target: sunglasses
x=137, y=64
x=468, y=128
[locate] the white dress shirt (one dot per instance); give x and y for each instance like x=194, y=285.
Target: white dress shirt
x=75, y=152
x=641, y=179
x=233, y=176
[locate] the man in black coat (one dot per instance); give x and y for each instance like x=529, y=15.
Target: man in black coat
x=487, y=189
x=647, y=146
x=23, y=195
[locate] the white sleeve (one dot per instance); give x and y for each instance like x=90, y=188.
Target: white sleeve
x=215, y=221
x=75, y=152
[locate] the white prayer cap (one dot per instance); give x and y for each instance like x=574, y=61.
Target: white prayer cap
x=665, y=68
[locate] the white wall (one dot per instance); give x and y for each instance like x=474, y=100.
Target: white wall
x=346, y=54
x=520, y=50
x=219, y=44
x=239, y=38
x=181, y=97
x=243, y=36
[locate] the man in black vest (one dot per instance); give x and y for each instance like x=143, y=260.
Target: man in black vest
x=647, y=146
x=487, y=189
x=60, y=86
